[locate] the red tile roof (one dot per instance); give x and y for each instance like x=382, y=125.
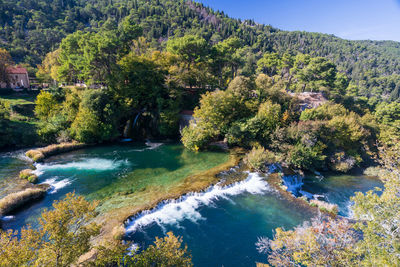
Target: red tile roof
x=16, y=70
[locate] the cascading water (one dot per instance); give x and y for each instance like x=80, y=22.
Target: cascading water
x=293, y=183
x=186, y=207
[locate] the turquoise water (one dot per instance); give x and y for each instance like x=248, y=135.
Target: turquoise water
x=220, y=226
x=111, y=174
x=11, y=164
x=223, y=231
x=339, y=188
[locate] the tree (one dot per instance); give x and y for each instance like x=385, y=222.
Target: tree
x=5, y=61
x=63, y=236
x=191, y=49
x=48, y=70
x=269, y=64
x=166, y=251
x=372, y=239
x=388, y=113
x=377, y=213
x=225, y=59
x=323, y=242
x=67, y=230
x=45, y=106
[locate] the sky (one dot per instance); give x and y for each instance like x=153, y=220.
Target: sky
x=348, y=19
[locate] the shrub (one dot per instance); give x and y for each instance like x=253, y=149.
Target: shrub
x=28, y=175
x=306, y=157
x=35, y=155
x=324, y=206
x=258, y=157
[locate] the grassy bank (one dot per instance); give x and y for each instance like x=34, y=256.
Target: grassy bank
x=40, y=154
x=18, y=199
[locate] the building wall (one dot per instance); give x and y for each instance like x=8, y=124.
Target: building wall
x=17, y=81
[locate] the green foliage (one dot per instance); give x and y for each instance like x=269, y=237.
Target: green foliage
x=46, y=106
x=166, y=251
x=371, y=239
x=189, y=48
x=64, y=234
x=388, y=113
x=324, y=112
x=28, y=175
x=307, y=157
x=258, y=157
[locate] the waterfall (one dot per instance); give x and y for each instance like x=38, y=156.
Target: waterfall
x=293, y=183
x=128, y=127
x=134, y=122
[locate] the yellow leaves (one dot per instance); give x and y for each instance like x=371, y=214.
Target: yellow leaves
x=63, y=236
x=166, y=251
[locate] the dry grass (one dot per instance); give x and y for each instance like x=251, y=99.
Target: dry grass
x=40, y=154
x=16, y=200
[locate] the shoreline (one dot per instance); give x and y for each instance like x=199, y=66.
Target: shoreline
x=42, y=153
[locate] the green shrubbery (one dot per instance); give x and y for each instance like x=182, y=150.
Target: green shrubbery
x=329, y=136
x=258, y=157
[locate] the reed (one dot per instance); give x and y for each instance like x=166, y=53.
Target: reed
x=40, y=154
x=18, y=199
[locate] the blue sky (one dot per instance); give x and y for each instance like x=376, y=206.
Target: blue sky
x=349, y=19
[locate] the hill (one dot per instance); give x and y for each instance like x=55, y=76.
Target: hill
x=30, y=29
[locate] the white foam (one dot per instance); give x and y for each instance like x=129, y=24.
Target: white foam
x=307, y=194
x=152, y=146
x=94, y=164
x=186, y=207
x=56, y=185
x=349, y=212
x=8, y=218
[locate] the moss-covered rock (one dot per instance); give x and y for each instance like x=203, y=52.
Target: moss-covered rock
x=28, y=174
x=35, y=155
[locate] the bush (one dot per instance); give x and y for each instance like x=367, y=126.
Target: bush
x=324, y=206
x=35, y=155
x=307, y=157
x=257, y=158
x=195, y=138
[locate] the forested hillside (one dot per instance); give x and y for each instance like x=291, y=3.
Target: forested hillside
x=29, y=29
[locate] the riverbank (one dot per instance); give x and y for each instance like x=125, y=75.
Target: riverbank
x=40, y=154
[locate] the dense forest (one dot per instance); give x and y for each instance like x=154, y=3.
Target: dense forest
x=126, y=69
x=30, y=29
x=153, y=59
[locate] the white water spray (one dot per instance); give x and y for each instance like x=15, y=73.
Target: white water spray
x=186, y=207
x=92, y=164
x=56, y=185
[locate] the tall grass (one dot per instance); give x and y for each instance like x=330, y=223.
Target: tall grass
x=40, y=154
x=16, y=200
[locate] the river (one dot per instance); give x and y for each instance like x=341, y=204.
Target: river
x=220, y=226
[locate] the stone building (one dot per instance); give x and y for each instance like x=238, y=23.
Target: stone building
x=18, y=78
